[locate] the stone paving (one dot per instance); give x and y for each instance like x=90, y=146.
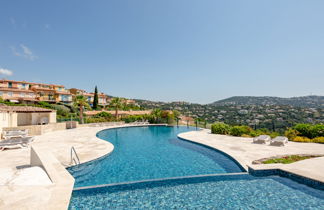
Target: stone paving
x=17, y=191
x=245, y=152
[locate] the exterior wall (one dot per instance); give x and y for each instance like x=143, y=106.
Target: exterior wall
x=16, y=94
x=63, y=98
x=38, y=129
x=52, y=117
x=7, y=119
x=24, y=119
x=62, y=180
x=40, y=118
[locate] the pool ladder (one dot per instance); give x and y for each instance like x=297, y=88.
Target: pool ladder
x=74, y=157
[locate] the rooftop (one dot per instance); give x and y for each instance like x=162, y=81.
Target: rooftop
x=26, y=109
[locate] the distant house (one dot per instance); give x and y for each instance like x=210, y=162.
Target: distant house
x=13, y=116
x=22, y=91
x=103, y=99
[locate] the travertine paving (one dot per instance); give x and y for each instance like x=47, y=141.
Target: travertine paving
x=245, y=152
x=18, y=191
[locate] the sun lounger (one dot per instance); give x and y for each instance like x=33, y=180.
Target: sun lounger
x=279, y=141
x=15, y=134
x=262, y=139
x=15, y=143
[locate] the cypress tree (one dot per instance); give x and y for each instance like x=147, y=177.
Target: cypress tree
x=95, y=99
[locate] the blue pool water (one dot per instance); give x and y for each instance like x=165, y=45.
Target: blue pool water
x=213, y=192
x=143, y=153
x=151, y=152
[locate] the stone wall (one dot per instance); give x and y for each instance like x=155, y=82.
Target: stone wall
x=35, y=130
x=61, y=178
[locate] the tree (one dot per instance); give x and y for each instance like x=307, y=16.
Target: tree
x=81, y=102
x=176, y=115
x=156, y=113
x=117, y=104
x=95, y=99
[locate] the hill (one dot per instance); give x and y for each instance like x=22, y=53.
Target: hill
x=303, y=101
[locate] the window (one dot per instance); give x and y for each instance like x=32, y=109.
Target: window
x=9, y=84
x=9, y=94
x=22, y=94
x=1, y=93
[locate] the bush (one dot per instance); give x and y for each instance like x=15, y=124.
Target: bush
x=240, y=130
x=246, y=136
x=291, y=133
x=310, y=131
x=220, y=128
x=95, y=120
x=318, y=140
x=317, y=130
x=61, y=110
x=274, y=134
x=104, y=115
x=301, y=139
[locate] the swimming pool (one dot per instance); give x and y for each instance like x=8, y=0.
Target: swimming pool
x=206, y=192
x=150, y=168
x=151, y=152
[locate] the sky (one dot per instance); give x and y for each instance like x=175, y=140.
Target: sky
x=167, y=50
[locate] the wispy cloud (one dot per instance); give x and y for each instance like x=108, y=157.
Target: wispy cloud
x=6, y=72
x=24, y=51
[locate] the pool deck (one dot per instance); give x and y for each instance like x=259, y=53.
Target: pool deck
x=245, y=152
x=22, y=189
x=31, y=194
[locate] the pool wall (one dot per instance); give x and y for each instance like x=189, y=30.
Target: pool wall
x=295, y=177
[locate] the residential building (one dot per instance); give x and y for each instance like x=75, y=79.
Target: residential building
x=15, y=91
x=103, y=99
x=18, y=91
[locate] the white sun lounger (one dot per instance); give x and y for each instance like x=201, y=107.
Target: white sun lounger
x=279, y=141
x=262, y=139
x=15, y=134
x=15, y=143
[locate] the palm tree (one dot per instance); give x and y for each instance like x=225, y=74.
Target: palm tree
x=81, y=102
x=156, y=113
x=117, y=104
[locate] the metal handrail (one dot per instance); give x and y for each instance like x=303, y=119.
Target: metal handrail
x=76, y=155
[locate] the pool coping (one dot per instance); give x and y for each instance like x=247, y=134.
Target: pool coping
x=271, y=169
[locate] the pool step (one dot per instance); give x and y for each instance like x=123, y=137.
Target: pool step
x=176, y=180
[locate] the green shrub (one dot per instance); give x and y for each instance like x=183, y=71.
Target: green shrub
x=301, y=139
x=291, y=133
x=318, y=140
x=317, y=130
x=274, y=134
x=304, y=130
x=61, y=110
x=220, y=128
x=95, y=120
x=104, y=115
x=310, y=131
x=240, y=130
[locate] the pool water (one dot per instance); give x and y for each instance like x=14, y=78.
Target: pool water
x=151, y=152
x=211, y=192
x=137, y=176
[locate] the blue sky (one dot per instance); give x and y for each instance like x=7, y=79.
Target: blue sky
x=167, y=50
